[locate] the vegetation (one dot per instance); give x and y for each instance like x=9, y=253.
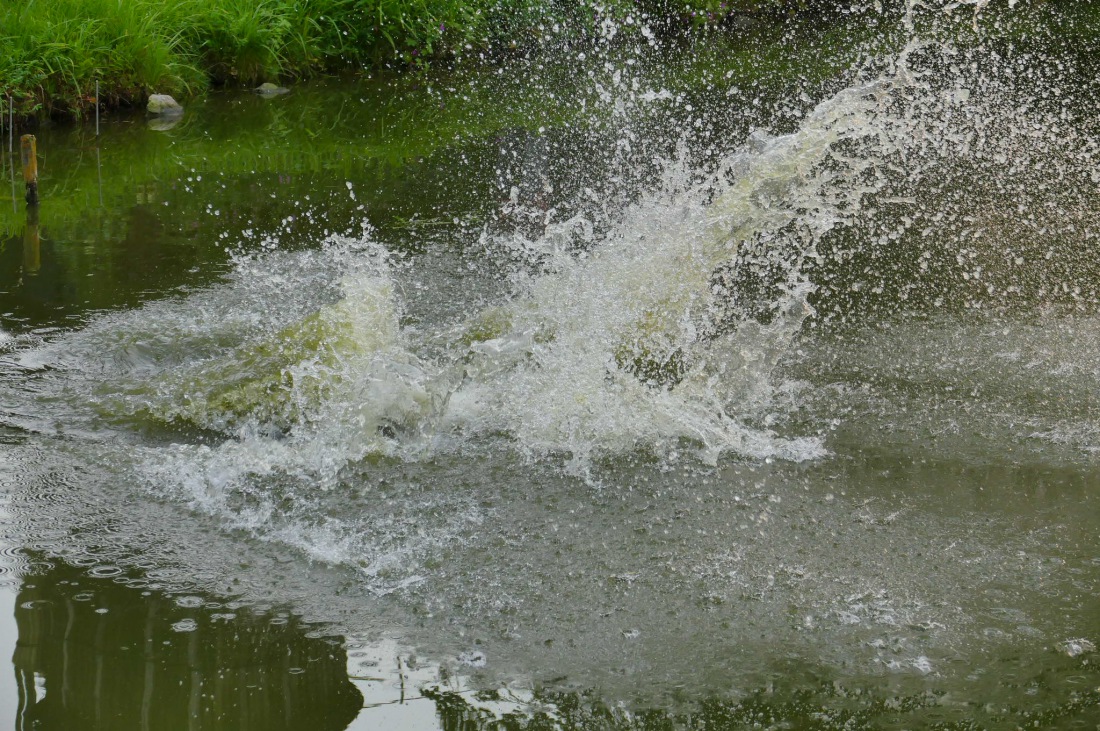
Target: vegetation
x=367, y=131
x=53, y=53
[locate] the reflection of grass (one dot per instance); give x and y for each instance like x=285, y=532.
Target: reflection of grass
x=359, y=130
x=370, y=129
x=351, y=131
x=816, y=703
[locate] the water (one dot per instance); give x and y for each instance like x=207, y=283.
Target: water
x=668, y=393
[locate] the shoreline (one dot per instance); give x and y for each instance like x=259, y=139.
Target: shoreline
x=52, y=56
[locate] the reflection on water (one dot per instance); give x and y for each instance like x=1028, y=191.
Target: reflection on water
x=826, y=705
x=96, y=654
x=32, y=254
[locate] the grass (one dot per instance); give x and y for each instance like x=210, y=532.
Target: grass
x=386, y=122
x=52, y=52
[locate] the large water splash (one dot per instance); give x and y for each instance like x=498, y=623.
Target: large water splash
x=661, y=334
x=623, y=348
x=631, y=344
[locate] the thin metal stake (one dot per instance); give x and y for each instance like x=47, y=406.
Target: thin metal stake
x=97, y=107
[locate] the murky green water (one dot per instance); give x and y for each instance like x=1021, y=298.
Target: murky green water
x=608, y=392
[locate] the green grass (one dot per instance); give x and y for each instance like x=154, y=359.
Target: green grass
x=52, y=52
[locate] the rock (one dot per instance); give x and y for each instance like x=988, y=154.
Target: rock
x=164, y=106
x=270, y=90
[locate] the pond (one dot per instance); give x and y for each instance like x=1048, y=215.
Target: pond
x=743, y=383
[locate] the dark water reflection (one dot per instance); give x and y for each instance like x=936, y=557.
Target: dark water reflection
x=95, y=654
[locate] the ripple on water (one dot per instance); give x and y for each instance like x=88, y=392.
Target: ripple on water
x=14, y=564
x=105, y=571
x=185, y=625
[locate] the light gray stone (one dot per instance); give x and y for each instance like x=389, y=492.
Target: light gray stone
x=164, y=106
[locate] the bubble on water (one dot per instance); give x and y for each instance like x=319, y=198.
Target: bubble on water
x=185, y=625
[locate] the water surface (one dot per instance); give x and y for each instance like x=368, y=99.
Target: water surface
x=610, y=388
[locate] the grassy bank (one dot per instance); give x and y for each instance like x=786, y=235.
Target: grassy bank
x=392, y=119
x=53, y=52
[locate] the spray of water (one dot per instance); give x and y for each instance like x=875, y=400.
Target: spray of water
x=659, y=330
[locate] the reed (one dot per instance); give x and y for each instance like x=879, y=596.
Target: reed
x=53, y=51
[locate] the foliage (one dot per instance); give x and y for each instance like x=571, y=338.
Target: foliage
x=52, y=53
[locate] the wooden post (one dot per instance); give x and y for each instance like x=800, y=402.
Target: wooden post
x=29, y=151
